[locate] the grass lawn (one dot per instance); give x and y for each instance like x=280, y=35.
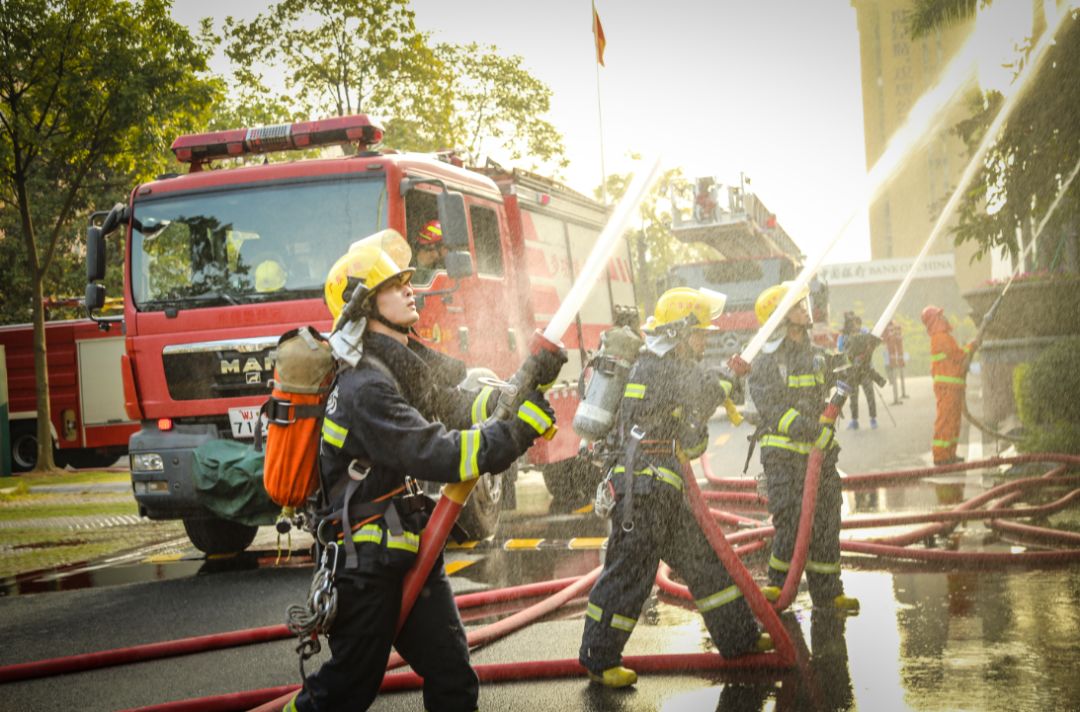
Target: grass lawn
x=27, y=546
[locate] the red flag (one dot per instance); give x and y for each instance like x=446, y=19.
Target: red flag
x=598, y=35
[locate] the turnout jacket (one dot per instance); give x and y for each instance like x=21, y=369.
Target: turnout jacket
x=790, y=383
x=947, y=359
x=671, y=398
x=395, y=415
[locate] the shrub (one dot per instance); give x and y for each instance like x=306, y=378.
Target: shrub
x=1048, y=403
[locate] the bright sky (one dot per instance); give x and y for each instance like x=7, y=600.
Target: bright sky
x=770, y=88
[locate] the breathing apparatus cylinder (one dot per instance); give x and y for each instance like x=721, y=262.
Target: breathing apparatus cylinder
x=601, y=395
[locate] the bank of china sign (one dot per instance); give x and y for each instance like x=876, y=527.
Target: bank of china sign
x=894, y=270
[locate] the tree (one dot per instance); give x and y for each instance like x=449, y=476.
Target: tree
x=497, y=100
x=1038, y=148
x=363, y=55
x=89, y=90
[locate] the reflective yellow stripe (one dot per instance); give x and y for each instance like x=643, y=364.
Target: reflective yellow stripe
x=785, y=443
x=480, y=405
x=718, y=599
x=949, y=379
x=944, y=443
x=469, y=468
x=804, y=380
x=373, y=534
x=823, y=439
x=937, y=357
x=333, y=433
x=661, y=473
x=406, y=542
x=534, y=416
x=726, y=386
x=818, y=567
x=777, y=564
x=594, y=611
x=819, y=378
x=291, y=707
x=787, y=419
x=634, y=390
x=622, y=622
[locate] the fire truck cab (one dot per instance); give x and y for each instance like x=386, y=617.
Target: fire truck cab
x=219, y=263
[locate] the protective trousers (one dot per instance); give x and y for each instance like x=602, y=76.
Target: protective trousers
x=950, y=403
x=432, y=641
x=871, y=402
x=785, y=475
x=663, y=528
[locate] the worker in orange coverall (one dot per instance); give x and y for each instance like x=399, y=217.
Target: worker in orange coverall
x=947, y=368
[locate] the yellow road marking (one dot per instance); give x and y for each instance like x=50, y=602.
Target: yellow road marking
x=162, y=558
x=454, y=566
x=587, y=542
x=522, y=544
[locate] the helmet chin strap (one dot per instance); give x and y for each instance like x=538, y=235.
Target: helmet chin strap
x=396, y=327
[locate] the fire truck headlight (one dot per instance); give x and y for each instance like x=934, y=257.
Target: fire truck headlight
x=147, y=462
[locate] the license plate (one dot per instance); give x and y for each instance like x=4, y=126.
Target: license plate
x=243, y=421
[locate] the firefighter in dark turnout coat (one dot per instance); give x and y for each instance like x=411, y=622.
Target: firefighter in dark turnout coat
x=379, y=431
x=789, y=384
x=664, y=422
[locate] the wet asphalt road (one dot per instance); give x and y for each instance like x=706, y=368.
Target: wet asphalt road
x=926, y=639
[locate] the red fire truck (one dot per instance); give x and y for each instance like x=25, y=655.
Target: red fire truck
x=200, y=327
x=89, y=425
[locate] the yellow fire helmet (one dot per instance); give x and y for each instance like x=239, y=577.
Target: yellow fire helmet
x=269, y=276
x=768, y=300
x=369, y=263
x=680, y=302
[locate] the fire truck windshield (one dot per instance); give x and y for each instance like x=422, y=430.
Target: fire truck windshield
x=247, y=244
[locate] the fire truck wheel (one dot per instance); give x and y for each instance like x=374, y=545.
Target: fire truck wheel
x=23, y=446
x=572, y=483
x=480, y=515
x=211, y=535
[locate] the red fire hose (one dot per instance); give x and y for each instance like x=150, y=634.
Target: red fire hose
x=1004, y=494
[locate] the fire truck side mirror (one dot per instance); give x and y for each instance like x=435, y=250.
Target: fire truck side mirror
x=459, y=265
x=455, y=232
x=95, y=254
x=95, y=296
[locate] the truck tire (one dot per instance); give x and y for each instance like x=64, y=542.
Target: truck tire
x=212, y=535
x=23, y=445
x=571, y=483
x=480, y=515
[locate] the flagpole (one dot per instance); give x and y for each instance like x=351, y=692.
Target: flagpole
x=599, y=110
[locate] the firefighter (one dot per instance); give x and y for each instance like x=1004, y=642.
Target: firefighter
x=852, y=328
x=430, y=251
x=789, y=383
x=389, y=416
x=947, y=368
x=663, y=422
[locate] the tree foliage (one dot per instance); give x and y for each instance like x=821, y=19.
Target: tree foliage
x=91, y=92
x=496, y=101
x=342, y=57
x=1038, y=148
x=357, y=56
